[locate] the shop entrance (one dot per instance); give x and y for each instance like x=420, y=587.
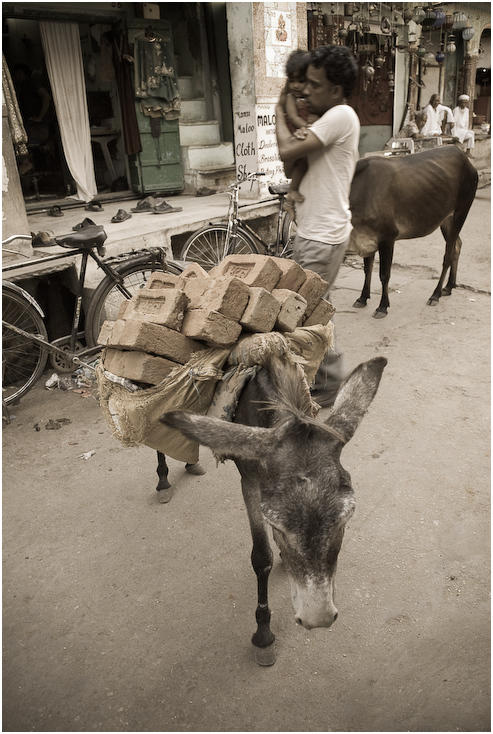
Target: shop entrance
x=44, y=173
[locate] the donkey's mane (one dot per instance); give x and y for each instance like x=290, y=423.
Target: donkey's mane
x=291, y=394
x=291, y=400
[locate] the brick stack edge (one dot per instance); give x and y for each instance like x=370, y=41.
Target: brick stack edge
x=174, y=316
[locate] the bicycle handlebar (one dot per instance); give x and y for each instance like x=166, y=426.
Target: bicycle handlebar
x=248, y=177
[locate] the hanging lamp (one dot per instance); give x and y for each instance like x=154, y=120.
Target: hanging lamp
x=467, y=33
x=429, y=19
x=460, y=21
x=439, y=19
x=451, y=47
x=419, y=15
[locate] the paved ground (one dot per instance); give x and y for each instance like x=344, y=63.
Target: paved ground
x=121, y=614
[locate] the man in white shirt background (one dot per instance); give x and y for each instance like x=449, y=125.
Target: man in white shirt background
x=436, y=113
x=461, y=118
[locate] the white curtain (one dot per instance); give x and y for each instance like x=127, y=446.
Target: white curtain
x=63, y=55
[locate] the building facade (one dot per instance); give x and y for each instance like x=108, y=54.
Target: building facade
x=171, y=97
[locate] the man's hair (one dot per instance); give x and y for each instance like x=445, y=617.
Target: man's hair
x=339, y=64
x=420, y=115
x=297, y=63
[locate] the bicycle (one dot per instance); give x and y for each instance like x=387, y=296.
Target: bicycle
x=25, y=342
x=209, y=245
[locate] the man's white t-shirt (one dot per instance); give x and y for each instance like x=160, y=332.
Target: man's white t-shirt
x=435, y=117
x=325, y=216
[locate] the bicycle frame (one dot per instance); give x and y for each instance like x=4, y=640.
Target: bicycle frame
x=234, y=222
x=51, y=348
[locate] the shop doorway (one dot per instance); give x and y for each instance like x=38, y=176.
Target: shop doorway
x=44, y=173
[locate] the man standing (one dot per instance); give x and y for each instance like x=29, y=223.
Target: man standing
x=331, y=147
x=436, y=114
x=461, y=117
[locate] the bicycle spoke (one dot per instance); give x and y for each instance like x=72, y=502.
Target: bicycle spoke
x=208, y=247
x=23, y=361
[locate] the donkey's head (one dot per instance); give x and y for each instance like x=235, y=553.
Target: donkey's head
x=305, y=493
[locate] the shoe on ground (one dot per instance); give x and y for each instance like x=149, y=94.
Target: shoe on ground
x=196, y=469
x=121, y=216
x=85, y=223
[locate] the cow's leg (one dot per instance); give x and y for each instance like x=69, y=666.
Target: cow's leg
x=262, y=560
x=365, y=293
x=452, y=280
x=163, y=486
x=450, y=230
x=386, y=254
x=453, y=244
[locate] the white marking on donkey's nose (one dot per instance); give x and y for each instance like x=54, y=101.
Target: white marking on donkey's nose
x=310, y=624
x=314, y=605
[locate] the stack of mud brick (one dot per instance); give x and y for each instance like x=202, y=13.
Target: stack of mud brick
x=175, y=316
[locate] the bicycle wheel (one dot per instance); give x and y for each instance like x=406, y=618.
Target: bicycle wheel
x=107, y=299
x=207, y=246
x=23, y=361
x=288, y=232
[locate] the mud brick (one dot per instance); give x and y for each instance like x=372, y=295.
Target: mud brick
x=211, y=327
x=137, y=366
x=262, y=311
x=293, y=307
x=225, y=294
x=161, y=280
x=194, y=270
x=260, y=271
x=142, y=336
x=321, y=314
x=292, y=274
x=163, y=306
x=312, y=290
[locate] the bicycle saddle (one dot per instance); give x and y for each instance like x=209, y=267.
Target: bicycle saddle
x=84, y=239
x=279, y=188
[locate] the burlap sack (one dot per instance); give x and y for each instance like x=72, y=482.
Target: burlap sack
x=305, y=346
x=133, y=417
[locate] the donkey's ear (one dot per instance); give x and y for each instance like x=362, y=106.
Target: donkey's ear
x=224, y=438
x=354, y=397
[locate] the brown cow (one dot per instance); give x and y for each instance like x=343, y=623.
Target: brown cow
x=403, y=198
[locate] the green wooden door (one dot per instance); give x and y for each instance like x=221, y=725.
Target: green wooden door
x=158, y=167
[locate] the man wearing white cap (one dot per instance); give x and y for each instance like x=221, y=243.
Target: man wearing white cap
x=461, y=117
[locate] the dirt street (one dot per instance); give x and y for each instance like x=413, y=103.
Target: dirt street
x=121, y=614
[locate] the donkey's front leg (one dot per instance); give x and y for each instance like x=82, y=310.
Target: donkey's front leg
x=262, y=560
x=263, y=638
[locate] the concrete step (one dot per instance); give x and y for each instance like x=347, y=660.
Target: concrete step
x=193, y=110
x=200, y=133
x=217, y=178
x=208, y=156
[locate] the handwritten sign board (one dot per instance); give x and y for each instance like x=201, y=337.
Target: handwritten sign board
x=256, y=145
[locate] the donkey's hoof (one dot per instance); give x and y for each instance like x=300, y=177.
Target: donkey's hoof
x=359, y=304
x=164, y=495
x=379, y=314
x=432, y=301
x=265, y=655
x=196, y=469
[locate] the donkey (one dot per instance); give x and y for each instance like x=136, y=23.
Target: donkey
x=292, y=480
x=403, y=198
